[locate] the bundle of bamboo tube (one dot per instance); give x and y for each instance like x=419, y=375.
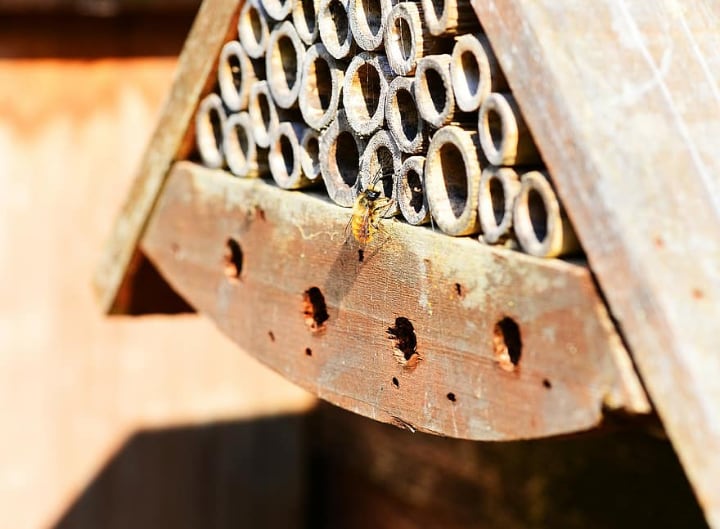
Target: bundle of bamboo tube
x=404, y=97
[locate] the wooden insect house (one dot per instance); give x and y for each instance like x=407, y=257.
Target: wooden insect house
x=489, y=220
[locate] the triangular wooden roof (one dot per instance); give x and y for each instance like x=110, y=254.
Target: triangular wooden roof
x=623, y=98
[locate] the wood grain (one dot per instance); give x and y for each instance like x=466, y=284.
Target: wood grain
x=452, y=291
x=623, y=99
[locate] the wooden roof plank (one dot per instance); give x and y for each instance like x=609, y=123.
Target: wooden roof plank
x=622, y=97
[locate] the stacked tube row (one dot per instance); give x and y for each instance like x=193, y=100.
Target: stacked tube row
x=341, y=92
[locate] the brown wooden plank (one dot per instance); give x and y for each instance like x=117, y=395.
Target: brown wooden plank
x=623, y=99
x=453, y=291
x=216, y=20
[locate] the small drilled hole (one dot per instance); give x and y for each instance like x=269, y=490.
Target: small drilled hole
x=507, y=344
x=547, y=384
x=459, y=289
x=405, y=346
x=361, y=255
x=315, y=310
x=233, y=259
x=451, y=397
x=396, y=382
x=271, y=335
x=308, y=351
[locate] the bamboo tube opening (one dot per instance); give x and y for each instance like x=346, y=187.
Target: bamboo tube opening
x=474, y=71
x=367, y=22
x=209, y=124
x=334, y=27
x=379, y=166
x=449, y=16
x=499, y=186
x=340, y=150
x=240, y=150
x=304, y=17
x=364, y=92
x=320, y=87
x=310, y=153
x=404, y=38
x=504, y=136
x=433, y=90
x=541, y=227
x=235, y=76
x=263, y=114
x=285, y=156
x=277, y=9
x=253, y=29
x=410, y=191
x=283, y=64
x=401, y=114
x=452, y=177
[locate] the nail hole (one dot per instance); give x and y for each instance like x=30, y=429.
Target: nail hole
x=271, y=335
x=507, y=344
x=233, y=259
x=459, y=290
x=308, y=351
x=547, y=384
x=405, y=346
x=451, y=397
x=315, y=310
x=361, y=255
x=396, y=382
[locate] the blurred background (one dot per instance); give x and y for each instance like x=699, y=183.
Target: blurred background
x=159, y=421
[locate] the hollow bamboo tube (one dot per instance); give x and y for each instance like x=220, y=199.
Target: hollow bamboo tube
x=474, y=71
x=410, y=191
x=334, y=28
x=320, y=87
x=277, y=9
x=379, y=164
x=449, y=17
x=285, y=156
x=263, y=114
x=402, y=117
x=241, y=153
x=433, y=90
x=367, y=22
x=310, y=153
x=304, y=16
x=235, y=76
x=283, y=64
x=209, y=125
x=340, y=150
x=364, y=91
x=499, y=186
x=253, y=29
x=504, y=135
x=452, y=178
x=541, y=224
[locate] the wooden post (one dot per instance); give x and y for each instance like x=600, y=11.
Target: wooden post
x=209, y=125
x=320, y=87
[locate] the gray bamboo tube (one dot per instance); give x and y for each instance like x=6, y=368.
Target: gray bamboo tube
x=433, y=90
x=474, y=71
x=364, y=91
x=499, y=186
x=367, y=22
x=241, y=152
x=320, y=87
x=304, y=16
x=263, y=114
x=452, y=179
x=283, y=64
x=209, y=126
x=449, y=17
x=504, y=135
x=235, y=76
x=334, y=27
x=541, y=224
x=379, y=164
x=410, y=191
x=310, y=153
x=277, y=9
x=253, y=30
x=340, y=150
x=285, y=156
x=402, y=117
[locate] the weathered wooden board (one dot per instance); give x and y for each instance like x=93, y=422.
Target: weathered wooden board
x=453, y=291
x=623, y=98
x=212, y=28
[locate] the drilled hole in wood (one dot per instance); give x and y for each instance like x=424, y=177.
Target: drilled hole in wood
x=451, y=397
x=271, y=335
x=308, y=351
x=361, y=255
x=233, y=259
x=459, y=289
x=405, y=342
x=547, y=384
x=396, y=382
x=507, y=344
x=315, y=310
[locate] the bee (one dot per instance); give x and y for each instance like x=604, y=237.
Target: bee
x=369, y=207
